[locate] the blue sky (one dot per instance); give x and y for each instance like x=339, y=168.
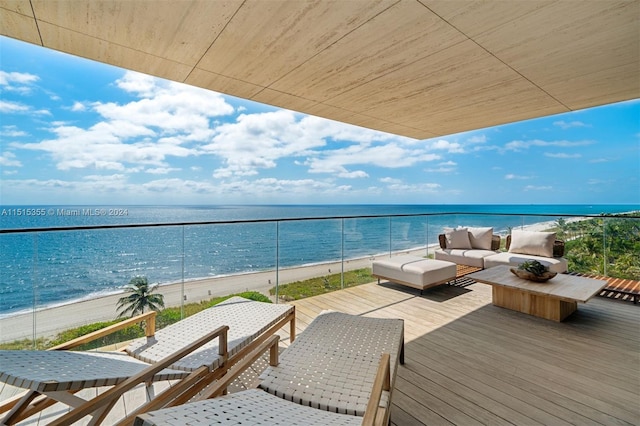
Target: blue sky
x=79, y=132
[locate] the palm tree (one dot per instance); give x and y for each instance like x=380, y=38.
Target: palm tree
x=141, y=298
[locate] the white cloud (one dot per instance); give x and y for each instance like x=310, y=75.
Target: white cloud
x=522, y=145
x=12, y=107
x=564, y=125
x=444, y=145
x=537, y=188
x=12, y=132
x=517, y=177
x=599, y=160
x=8, y=159
x=595, y=182
x=444, y=167
x=477, y=139
x=78, y=106
x=429, y=188
x=390, y=155
x=162, y=170
x=143, y=132
x=390, y=180
x=561, y=155
x=6, y=78
x=353, y=175
x=21, y=83
x=258, y=141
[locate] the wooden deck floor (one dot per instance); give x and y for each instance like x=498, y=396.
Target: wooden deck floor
x=469, y=362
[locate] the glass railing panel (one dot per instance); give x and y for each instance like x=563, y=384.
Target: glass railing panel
x=18, y=287
x=408, y=233
x=366, y=237
x=608, y=246
x=229, y=251
x=79, y=276
x=42, y=269
x=308, y=249
x=621, y=247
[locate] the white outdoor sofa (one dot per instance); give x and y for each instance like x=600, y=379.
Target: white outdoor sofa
x=478, y=247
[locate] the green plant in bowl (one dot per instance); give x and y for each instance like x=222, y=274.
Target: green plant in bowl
x=533, y=266
x=533, y=270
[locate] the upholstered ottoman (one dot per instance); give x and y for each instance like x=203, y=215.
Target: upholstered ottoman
x=414, y=271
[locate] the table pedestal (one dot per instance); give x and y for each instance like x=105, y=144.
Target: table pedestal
x=547, y=307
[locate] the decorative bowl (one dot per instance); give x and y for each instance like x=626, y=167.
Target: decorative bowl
x=520, y=273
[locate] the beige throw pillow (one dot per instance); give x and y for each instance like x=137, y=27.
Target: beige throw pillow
x=457, y=238
x=533, y=243
x=480, y=238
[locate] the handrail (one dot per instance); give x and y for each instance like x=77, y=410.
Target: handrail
x=150, y=330
x=300, y=219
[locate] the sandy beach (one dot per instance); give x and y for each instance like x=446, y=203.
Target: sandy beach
x=47, y=322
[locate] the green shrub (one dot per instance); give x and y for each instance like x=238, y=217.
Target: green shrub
x=320, y=285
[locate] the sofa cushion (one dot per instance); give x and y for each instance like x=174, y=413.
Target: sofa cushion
x=457, y=238
x=480, y=238
x=533, y=243
x=555, y=264
x=464, y=256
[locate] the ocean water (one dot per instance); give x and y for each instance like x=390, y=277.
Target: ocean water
x=45, y=268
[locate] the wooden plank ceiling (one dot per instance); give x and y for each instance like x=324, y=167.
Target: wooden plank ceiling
x=419, y=68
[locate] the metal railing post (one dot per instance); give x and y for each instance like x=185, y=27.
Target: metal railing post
x=277, y=260
x=182, y=279
x=34, y=286
x=342, y=256
x=604, y=246
x=390, y=238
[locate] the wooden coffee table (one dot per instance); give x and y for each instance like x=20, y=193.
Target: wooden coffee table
x=555, y=299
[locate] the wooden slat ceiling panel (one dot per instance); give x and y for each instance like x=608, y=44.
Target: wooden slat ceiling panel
x=175, y=30
x=97, y=49
x=576, y=52
x=268, y=39
x=450, y=85
x=224, y=84
x=419, y=68
x=372, y=51
x=19, y=26
x=22, y=7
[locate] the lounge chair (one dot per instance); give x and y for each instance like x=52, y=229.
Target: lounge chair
x=58, y=375
x=341, y=370
x=249, y=323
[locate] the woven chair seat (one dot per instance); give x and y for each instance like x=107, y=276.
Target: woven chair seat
x=54, y=371
x=250, y=407
x=246, y=319
x=333, y=364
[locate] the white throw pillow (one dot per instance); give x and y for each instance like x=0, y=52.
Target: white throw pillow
x=457, y=238
x=480, y=238
x=533, y=243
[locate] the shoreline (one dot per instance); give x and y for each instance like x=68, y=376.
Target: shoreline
x=47, y=321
